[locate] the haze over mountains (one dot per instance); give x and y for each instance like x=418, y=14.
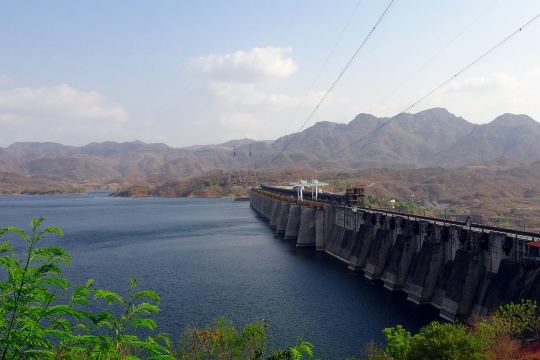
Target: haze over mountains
x=431, y=138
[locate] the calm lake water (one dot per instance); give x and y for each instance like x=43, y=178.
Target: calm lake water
x=208, y=258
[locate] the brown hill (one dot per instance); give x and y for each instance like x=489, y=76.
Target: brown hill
x=432, y=137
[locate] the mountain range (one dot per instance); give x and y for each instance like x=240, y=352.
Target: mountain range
x=430, y=138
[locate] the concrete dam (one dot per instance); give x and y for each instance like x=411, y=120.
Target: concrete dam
x=462, y=269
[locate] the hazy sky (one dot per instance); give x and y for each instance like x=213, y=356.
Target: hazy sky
x=196, y=72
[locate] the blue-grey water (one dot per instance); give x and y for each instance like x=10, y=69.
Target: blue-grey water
x=208, y=258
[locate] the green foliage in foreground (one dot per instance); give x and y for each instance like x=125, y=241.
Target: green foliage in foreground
x=221, y=340
x=495, y=337
x=43, y=317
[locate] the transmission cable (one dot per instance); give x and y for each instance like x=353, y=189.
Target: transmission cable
x=347, y=65
x=440, y=51
x=444, y=83
x=328, y=57
x=325, y=63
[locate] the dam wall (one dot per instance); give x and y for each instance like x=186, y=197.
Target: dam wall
x=460, y=269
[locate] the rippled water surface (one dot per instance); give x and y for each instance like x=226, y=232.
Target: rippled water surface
x=214, y=257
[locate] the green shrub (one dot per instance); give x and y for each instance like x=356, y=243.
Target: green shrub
x=36, y=324
x=517, y=319
x=441, y=341
x=222, y=340
x=398, y=342
x=29, y=315
x=445, y=342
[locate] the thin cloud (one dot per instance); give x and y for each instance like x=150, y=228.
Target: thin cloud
x=255, y=65
x=251, y=96
x=483, y=83
x=58, y=102
x=61, y=114
x=483, y=97
x=247, y=110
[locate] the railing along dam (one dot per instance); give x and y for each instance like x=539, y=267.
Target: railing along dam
x=461, y=269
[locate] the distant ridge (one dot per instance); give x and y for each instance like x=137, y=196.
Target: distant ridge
x=434, y=137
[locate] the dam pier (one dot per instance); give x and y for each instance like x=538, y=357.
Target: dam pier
x=462, y=269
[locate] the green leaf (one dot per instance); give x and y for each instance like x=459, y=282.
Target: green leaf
x=143, y=323
x=80, y=294
x=5, y=247
x=54, y=230
x=146, y=295
x=15, y=230
x=47, y=269
x=9, y=263
x=36, y=222
x=132, y=283
x=39, y=354
x=51, y=254
x=147, y=308
x=56, y=281
x=110, y=296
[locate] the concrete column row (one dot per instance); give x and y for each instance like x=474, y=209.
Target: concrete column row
x=453, y=268
x=292, y=221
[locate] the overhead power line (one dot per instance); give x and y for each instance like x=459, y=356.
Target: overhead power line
x=444, y=83
x=440, y=51
x=340, y=75
x=336, y=43
x=325, y=62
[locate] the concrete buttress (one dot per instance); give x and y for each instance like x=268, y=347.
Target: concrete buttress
x=293, y=222
x=306, y=234
x=275, y=214
x=283, y=217
x=458, y=268
x=401, y=256
x=382, y=243
x=320, y=225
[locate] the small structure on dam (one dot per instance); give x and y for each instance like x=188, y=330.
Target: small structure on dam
x=314, y=185
x=460, y=268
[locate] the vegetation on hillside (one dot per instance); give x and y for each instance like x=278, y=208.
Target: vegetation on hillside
x=43, y=317
x=490, y=195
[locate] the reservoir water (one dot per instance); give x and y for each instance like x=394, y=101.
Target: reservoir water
x=208, y=258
